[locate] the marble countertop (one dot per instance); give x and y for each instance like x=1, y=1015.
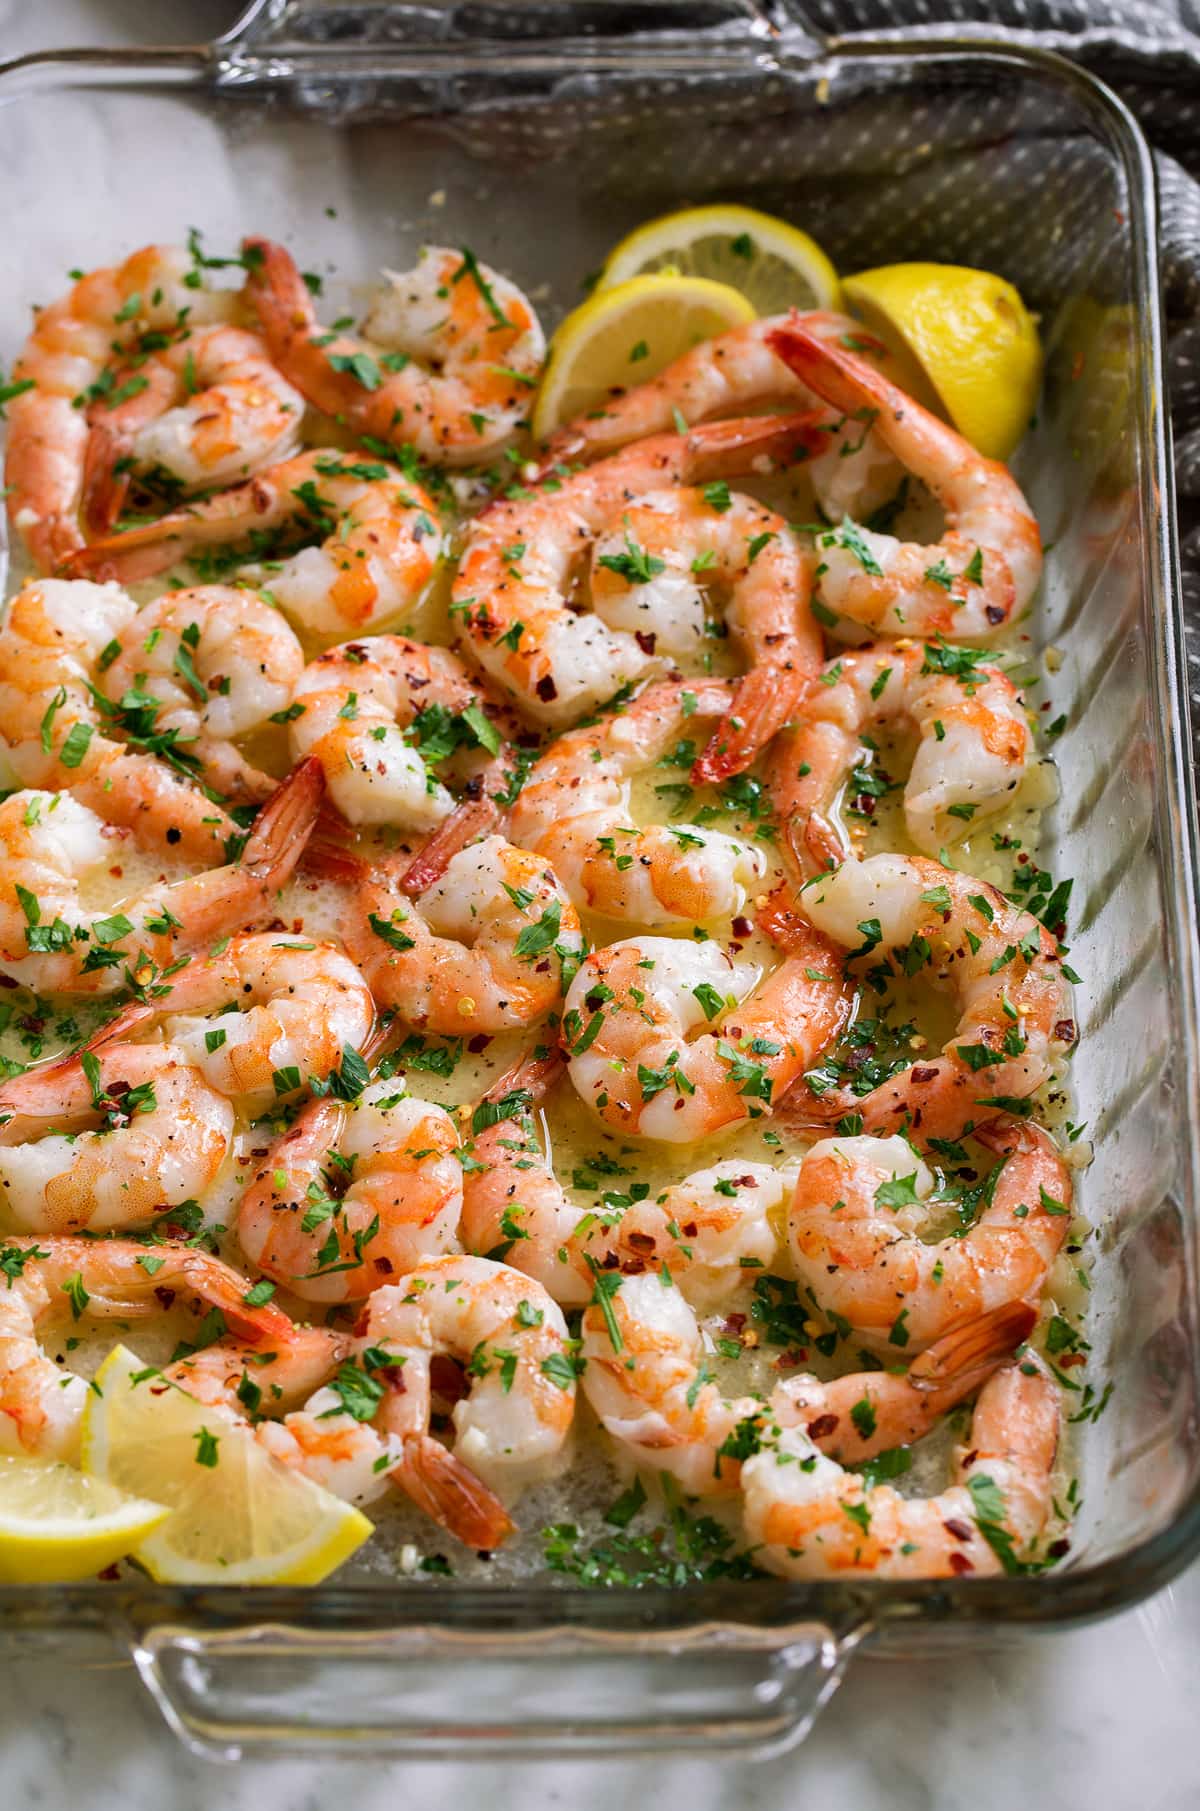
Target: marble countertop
x=1102, y=1718
x=1098, y=1718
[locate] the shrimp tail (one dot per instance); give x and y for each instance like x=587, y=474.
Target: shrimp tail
x=780, y=919
x=1004, y=1135
x=105, y=488
x=283, y=826
x=536, y=1073
x=265, y=1326
x=328, y=856
x=717, y=448
x=123, y=1024
x=333, y=861
x=447, y=1491
x=473, y=819
x=967, y=1355
x=822, y=844
x=767, y=697
x=140, y=552
x=834, y=375
x=276, y=291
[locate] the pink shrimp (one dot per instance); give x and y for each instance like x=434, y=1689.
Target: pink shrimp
x=511, y=596
x=963, y=936
x=460, y=350
x=986, y=567
x=807, y=1518
x=853, y=1229
x=974, y=743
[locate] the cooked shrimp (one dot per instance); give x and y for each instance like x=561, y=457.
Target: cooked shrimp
x=972, y=755
x=41, y=1403
x=511, y=1426
x=515, y=1209
x=860, y=1414
x=108, y=1137
x=574, y=809
x=512, y=595
x=729, y=375
x=292, y=1387
x=653, y=575
x=57, y=729
x=854, y=1230
x=449, y=363
x=219, y=663
x=50, y=845
x=712, y=1226
x=961, y=935
x=266, y=1014
x=807, y=1518
x=247, y=1381
x=201, y=413
x=367, y=710
x=241, y=1384
x=70, y=349
x=379, y=542
x=487, y=947
x=647, y=1378
x=984, y=570
x=354, y=1194
x=634, y=1009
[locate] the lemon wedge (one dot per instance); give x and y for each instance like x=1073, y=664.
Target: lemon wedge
x=57, y=1525
x=624, y=336
x=964, y=342
x=774, y=265
x=237, y=1515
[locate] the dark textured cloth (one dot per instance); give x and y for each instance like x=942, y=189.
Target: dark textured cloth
x=1149, y=51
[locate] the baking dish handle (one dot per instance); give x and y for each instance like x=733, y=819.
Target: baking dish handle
x=425, y=1691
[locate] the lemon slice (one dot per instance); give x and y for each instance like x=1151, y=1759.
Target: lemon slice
x=237, y=1515
x=624, y=336
x=57, y=1525
x=964, y=342
x=774, y=265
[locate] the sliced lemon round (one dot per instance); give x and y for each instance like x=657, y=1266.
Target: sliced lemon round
x=964, y=342
x=237, y=1515
x=57, y=1525
x=774, y=265
x=624, y=336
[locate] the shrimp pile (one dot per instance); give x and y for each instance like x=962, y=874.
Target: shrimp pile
x=513, y=930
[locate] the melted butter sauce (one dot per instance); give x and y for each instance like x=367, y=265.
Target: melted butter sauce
x=587, y=1158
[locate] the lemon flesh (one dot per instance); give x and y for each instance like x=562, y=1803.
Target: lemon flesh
x=625, y=336
x=964, y=342
x=237, y=1515
x=56, y=1525
x=774, y=265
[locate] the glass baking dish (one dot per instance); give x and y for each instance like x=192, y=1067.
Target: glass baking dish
x=538, y=133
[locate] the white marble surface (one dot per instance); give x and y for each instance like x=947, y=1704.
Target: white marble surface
x=1101, y=1718
x=1098, y=1720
